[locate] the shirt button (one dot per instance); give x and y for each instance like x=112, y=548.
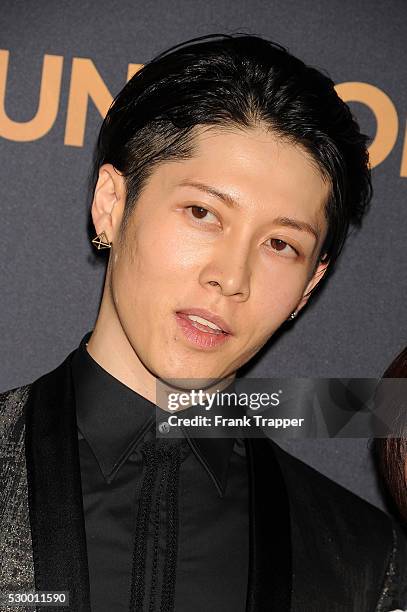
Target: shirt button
x=133, y=457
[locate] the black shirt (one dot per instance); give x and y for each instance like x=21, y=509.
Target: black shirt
x=167, y=522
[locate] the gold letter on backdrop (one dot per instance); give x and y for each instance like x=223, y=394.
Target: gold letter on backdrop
x=86, y=83
x=384, y=111
x=403, y=169
x=132, y=69
x=48, y=104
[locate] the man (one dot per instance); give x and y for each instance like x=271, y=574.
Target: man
x=227, y=174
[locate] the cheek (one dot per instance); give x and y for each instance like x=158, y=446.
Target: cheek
x=176, y=251
x=169, y=250
x=272, y=300
x=278, y=294
x=154, y=267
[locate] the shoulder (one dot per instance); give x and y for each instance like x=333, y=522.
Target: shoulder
x=12, y=442
x=12, y=403
x=16, y=394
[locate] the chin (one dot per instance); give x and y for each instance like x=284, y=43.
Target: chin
x=189, y=377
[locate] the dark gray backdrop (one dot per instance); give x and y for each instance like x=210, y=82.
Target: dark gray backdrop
x=50, y=283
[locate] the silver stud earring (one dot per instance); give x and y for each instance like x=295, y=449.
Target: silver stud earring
x=293, y=315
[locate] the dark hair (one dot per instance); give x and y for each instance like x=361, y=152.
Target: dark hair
x=237, y=80
x=391, y=452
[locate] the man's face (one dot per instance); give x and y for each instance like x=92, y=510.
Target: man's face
x=187, y=249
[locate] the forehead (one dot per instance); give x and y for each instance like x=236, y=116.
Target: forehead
x=259, y=169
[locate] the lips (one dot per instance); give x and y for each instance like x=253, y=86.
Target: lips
x=199, y=336
x=209, y=316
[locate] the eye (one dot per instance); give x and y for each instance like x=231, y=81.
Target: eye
x=280, y=246
x=199, y=212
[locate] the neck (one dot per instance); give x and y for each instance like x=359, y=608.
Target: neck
x=111, y=349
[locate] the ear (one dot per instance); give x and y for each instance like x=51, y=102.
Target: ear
x=108, y=201
x=316, y=277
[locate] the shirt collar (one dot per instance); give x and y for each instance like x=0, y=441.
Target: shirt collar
x=113, y=419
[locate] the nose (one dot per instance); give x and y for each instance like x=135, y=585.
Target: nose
x=229, y=271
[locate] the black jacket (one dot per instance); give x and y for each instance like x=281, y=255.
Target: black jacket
x=314, y=546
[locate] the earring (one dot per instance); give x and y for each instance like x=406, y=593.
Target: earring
x=101, y=241
x=292, y=315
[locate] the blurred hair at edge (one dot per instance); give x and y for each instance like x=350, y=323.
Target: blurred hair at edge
x=391, y=452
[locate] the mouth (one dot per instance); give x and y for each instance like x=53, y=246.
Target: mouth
x=203, y=328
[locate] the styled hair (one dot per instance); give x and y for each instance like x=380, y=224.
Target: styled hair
x=391, y=452
x=237, y=81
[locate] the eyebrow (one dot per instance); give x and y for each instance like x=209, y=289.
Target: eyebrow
x=225, y=197
x=230, y=202
x=302, y=226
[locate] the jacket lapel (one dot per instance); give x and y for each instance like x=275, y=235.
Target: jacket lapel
x=56, y=508
x=54, y=488
x=270, y=563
